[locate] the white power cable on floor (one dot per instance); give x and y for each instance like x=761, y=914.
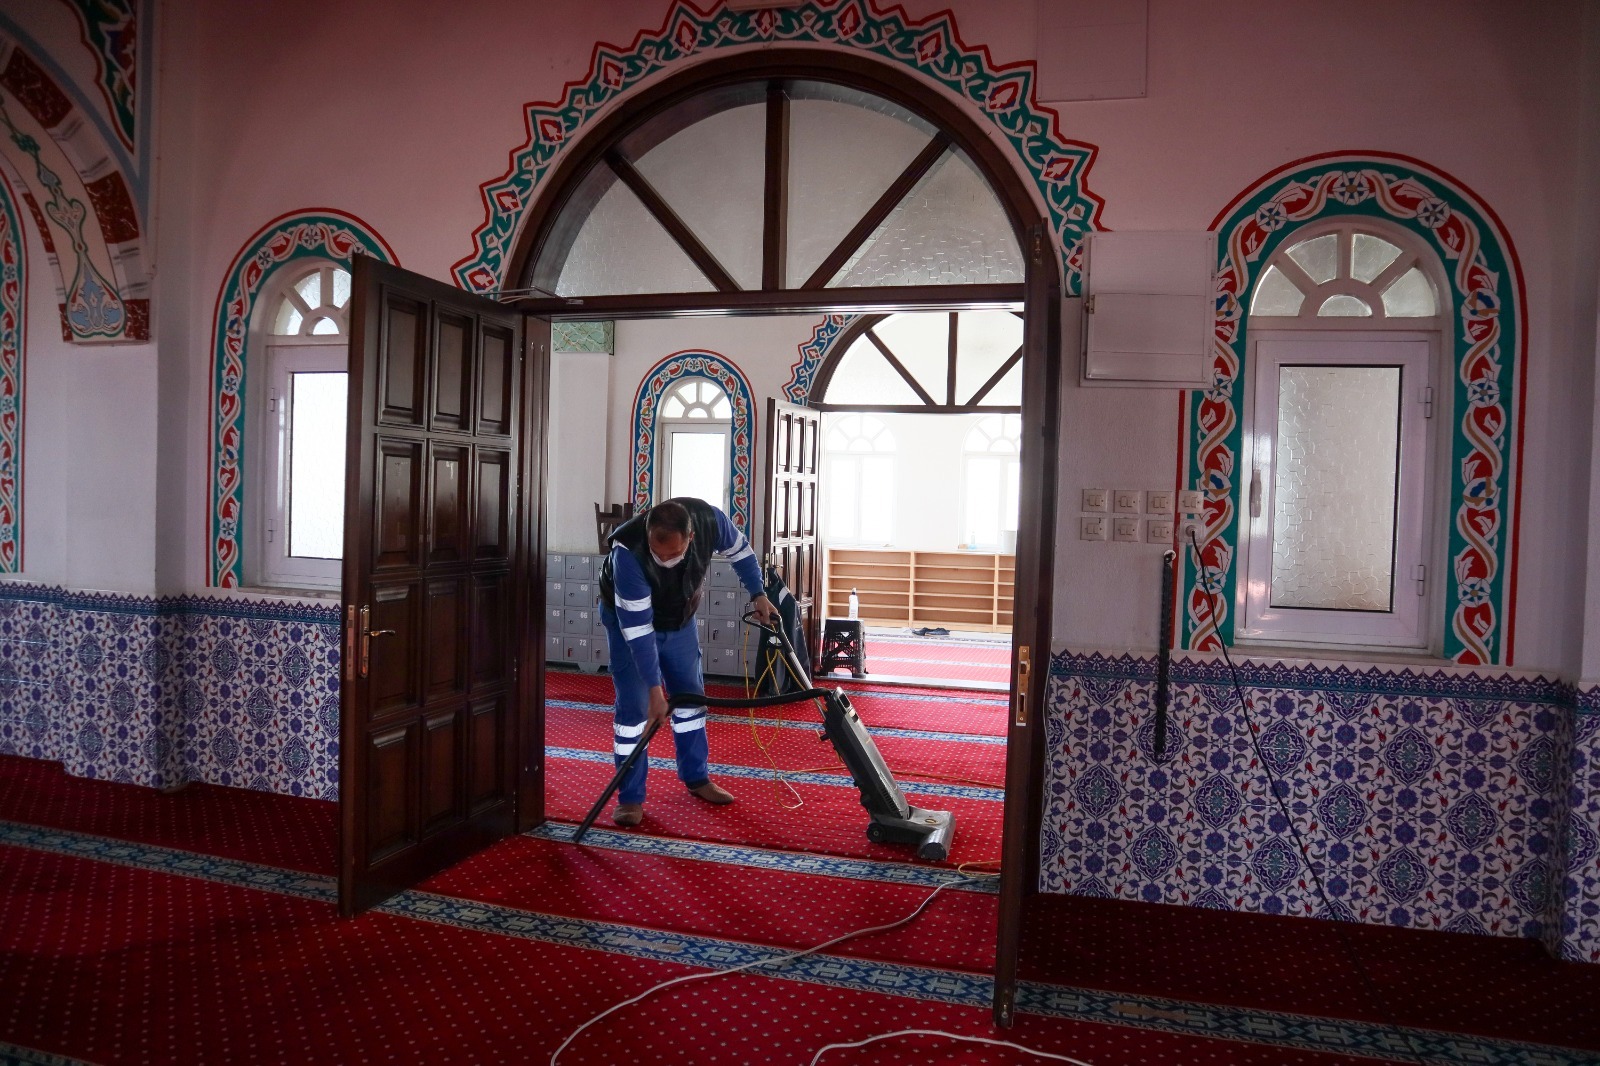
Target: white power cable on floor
x=778, y=960
x=952, y=1036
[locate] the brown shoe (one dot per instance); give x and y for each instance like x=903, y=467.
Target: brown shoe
x=628, y=815
x=712, y=792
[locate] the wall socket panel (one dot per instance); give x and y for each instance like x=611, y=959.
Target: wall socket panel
x=1095, y=499
x=1092, y=527
x=1160, y=531
x=1191, y=502
x=1158, y=501
x=1127, y=501
x=1126, y=530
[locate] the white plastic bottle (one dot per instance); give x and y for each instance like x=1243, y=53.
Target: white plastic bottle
x=855, y=604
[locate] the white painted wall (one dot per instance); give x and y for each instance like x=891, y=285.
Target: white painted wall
x=580, y=401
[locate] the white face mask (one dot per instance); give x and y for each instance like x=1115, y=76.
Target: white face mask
x=668, y=564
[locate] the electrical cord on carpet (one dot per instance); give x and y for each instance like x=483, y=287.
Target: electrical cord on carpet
x=1278, y=790
x=784, y=959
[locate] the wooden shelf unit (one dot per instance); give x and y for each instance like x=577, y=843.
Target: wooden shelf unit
x=956, y=590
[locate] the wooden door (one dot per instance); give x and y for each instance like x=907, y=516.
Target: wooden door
x=789, y=540
x=435, y=578
x=1030, y=639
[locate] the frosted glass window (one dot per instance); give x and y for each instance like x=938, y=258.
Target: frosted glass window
x=712, y=174
x=992, y=475
x=1008, y=392
x=949, y=230
x=1336, y=473
x=316, y=465
x=697, y=464
x=1342, y=306
x=859, y=480
x=984, y=341
x=622, y=249
x=842, y=156
x=1276, y=295
x=1411, y=296
x=314, y=304
x=1318, y=257
x=922, y=344
x=1370, y=256
x=863, y=372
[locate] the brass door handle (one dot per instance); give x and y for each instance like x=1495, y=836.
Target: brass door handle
x=366, y=638
x=382, y=633
x=1024, y=676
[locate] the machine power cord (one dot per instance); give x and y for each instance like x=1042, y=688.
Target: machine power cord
x=788, y=957
x=1278, y=791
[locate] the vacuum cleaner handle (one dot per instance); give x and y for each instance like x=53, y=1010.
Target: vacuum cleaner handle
x=634, y=756
x=786, y=650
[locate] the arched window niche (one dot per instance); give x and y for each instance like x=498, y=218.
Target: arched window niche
x=924, y=362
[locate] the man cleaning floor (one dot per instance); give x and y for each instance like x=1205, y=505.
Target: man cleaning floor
x=651, y=584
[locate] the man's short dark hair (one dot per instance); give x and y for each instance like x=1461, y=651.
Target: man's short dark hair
x=667, y=518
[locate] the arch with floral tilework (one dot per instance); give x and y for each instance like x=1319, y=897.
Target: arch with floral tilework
x=13, y=336
x=317, y=233
x=722, y=372
x=1488, y=352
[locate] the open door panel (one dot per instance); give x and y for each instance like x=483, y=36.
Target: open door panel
x=789, y=539
x=436, y=572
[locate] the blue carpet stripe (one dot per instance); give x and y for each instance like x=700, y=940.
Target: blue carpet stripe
x=778, y=723
x=17, y=1055
x=936, y=789
x=1331, y=1035
x=899, y=873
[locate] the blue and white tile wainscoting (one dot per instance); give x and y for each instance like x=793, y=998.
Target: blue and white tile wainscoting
x=1455, y=798
x=163, y=691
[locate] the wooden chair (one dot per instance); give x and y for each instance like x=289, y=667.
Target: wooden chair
x=606, y=520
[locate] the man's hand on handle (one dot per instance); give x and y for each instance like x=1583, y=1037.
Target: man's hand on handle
x=765, y=613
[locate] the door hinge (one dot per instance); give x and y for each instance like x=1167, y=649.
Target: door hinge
x=1422, y=579
x=1427, y=402
x=271, y=529
x=1024, y=671
x=272, y=400
x=1088, y=304
x=1255, y=493
x=1007, y=1006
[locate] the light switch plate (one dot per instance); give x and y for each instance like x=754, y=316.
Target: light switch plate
x=1127, y=501
x=1092, y=527
x=1160, y=531
x=1094, y=499
x=1125, y=530
x=1158, y=501
x=1191, y=501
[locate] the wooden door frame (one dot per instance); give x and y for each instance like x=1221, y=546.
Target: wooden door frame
x=1039, y=297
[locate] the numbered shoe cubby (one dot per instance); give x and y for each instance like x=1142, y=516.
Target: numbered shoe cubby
x=574, y=635
x=956, y=590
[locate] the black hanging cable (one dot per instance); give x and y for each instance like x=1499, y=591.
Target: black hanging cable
x=1169, y=560
x=1359, y=964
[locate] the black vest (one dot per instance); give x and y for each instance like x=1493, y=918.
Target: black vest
x=675, y=592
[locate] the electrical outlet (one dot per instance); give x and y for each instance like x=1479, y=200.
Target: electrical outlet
x=1092, y=527
x=1127, y=501
x=1158, y=501
x=1191, y=501
x=1125, y=530
x=1188, y=526
x=1094, y=499
x=1160, y=531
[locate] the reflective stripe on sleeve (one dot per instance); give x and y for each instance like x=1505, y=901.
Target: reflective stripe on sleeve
x=633, y=605
x=635, y=632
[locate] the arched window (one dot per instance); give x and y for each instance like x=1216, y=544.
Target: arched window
x=991, y=472
x=300, y=422
x=925, y=362
x=1346, y=335
x=695, y=431
x=859, y=454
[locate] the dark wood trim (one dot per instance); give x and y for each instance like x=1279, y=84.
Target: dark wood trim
x=775, y=205
x=731, y=78
x=1031, y=610
x=790, y=301
x=995, y=378
x=898, y=190
x=900, y=368
x=531, y=575
x=676, y=228
x=950, y=361
x=916, y=409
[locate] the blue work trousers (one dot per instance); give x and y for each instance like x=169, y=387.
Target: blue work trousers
x=679, y=653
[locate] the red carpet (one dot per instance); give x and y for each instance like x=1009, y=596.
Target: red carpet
x=775, y=907
x=1494, y=986
x=932, y=658
x=112, y=964
x=880, y=706
x=286, y=831
x=831, y=822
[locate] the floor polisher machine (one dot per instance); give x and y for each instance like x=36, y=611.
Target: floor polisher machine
x=891, y=818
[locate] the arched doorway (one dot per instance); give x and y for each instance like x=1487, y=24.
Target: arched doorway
x=784, y=266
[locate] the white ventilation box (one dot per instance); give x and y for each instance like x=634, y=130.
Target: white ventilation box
x=1149, y=309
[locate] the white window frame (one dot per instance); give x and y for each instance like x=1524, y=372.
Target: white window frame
x=274, y=566
x=1009, y=473
x=668, y=427
x=840, y=454
x=1409, y=624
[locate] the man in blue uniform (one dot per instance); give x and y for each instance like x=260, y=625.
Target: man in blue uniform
x=650, y=585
